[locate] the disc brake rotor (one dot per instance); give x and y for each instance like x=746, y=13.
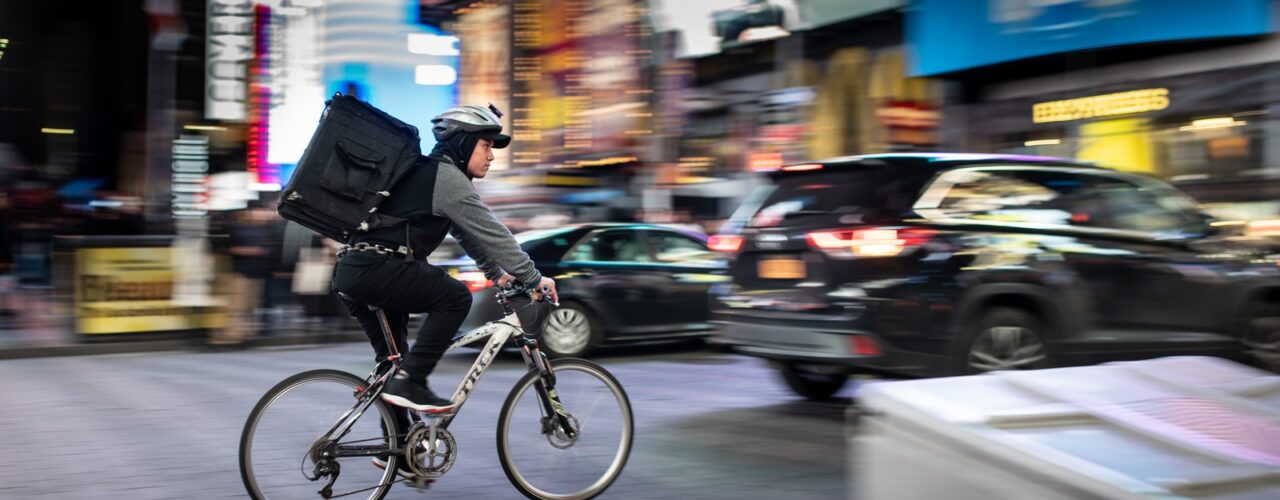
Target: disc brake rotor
x=559, y=439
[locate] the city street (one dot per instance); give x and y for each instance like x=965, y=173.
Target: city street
x=167, y=425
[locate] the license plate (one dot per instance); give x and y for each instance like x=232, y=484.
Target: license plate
x=780, y=269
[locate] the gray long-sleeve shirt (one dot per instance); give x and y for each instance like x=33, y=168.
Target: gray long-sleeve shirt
x=475, y=227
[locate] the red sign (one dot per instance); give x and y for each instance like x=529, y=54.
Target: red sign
x=907, y=114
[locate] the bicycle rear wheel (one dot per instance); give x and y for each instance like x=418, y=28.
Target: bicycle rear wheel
x=551, y=465
x=281, y=443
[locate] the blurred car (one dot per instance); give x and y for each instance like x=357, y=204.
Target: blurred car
x=617, y=283
x=928, y=265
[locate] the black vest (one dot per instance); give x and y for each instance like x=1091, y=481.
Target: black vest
x=411, y=199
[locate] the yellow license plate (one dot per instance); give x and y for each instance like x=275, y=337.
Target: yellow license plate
x=781, y=269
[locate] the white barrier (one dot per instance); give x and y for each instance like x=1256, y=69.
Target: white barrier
x=1181, y=427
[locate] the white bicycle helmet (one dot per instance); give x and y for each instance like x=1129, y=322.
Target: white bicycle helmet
x=472, y=119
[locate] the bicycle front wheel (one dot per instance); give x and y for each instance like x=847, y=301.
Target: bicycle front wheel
x=282, y=447
x=544, y=462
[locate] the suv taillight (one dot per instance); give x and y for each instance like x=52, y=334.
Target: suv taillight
x=868, y=241
x=725, y=243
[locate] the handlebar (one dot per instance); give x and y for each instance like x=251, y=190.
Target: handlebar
x=518, y=289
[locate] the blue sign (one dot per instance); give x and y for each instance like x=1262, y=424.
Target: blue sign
x=953, y=35
x=376, y=51
x=379, y=53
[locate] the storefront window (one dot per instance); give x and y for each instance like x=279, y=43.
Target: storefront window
x=1210, y=147
x=1174, y=148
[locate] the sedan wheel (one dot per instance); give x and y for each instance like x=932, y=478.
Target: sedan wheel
x=568, y=331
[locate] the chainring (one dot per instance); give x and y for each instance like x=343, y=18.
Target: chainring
x=425, y=462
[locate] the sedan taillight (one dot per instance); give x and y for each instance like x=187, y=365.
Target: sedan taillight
x=868, y=241
x=475, y=281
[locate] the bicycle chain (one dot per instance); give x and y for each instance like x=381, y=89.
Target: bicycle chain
x=376, y=486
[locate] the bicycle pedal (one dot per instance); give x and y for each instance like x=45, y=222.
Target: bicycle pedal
x=421, y=484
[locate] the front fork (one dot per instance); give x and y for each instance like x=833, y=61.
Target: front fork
x=553, y=413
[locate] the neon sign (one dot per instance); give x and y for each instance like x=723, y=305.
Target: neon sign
x=1119, y=103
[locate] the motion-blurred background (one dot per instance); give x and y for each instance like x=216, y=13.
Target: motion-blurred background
x=765, y=174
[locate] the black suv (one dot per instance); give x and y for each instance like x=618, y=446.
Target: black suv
x=942, y=264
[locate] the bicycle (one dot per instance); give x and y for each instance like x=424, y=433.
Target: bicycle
x=565, y=425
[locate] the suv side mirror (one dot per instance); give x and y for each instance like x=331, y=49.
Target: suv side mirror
x=1221, y=228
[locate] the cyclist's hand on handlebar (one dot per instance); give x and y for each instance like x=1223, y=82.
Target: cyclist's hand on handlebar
x=547, y=286
x=505, y=281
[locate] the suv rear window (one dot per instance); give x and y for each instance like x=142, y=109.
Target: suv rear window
x=818, y=193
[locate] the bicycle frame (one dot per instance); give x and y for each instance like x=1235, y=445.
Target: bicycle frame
x=498, y=332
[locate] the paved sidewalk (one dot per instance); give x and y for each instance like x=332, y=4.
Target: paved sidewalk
x=40, y=330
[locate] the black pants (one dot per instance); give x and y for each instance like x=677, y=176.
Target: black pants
x=401, y=288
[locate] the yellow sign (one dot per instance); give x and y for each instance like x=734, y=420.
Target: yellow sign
x=1120, y=103
x=128, y=290
x=1122, y=144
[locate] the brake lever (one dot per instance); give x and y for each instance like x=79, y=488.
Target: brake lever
x=545, y=291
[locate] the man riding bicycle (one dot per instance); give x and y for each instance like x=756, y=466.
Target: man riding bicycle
x=387, y=267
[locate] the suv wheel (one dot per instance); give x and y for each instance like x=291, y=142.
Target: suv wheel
x=1262, y=338
x=1005, y=339
x=811, y=384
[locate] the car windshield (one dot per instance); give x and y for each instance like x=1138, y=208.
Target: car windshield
x=538, y=234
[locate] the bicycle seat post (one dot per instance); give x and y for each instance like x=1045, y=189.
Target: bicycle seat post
x=393, y=351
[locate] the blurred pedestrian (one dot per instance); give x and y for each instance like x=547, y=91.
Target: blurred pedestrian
x=8, y=309
x=253, y=258
x=310, y=259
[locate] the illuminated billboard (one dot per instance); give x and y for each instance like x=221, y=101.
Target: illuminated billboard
x=485, y=73
x=228, y=49
x=372, y=49
x=951, y=35
x=579, y=93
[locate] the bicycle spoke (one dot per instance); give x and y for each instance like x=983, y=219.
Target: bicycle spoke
x=283, y=454
x=554, y=466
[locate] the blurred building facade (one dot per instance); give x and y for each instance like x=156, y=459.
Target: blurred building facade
x=1166, y=88
x=787, y=81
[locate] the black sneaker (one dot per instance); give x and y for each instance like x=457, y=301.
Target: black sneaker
x=404, y=393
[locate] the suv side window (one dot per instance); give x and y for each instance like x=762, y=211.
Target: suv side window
x=611, y=246
x=1148, y=208
x=1011, y=195
x=1051, y=197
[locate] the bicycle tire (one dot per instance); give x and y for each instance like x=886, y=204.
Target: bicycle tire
x=281, y=389
x=563, y=367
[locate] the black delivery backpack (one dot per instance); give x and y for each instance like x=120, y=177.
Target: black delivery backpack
x=356, y=155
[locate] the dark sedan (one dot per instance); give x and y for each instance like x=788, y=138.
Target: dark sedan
x=617, y=282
